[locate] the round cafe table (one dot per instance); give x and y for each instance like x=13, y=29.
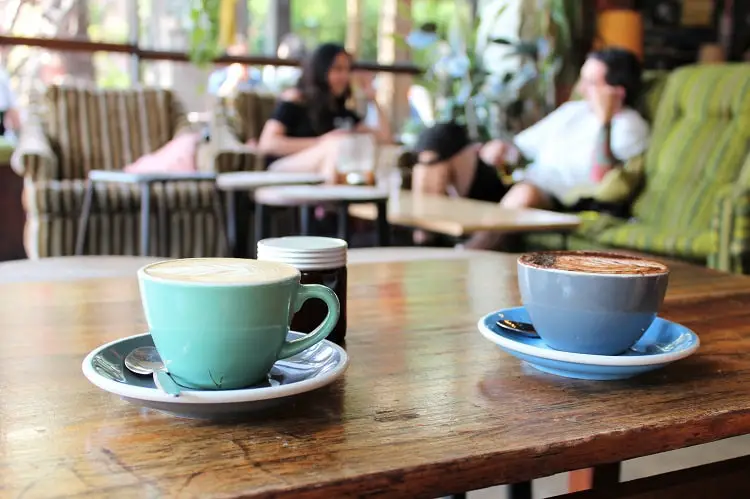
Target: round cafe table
x=237, y=185
x=305, y=198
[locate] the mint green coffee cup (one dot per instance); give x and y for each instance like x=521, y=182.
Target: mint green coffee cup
x=221, y=323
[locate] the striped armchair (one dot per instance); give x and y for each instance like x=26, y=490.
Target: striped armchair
x=73, y=129
x=236, y=120
x=695, y=202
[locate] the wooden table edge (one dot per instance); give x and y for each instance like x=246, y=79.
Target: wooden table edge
x=482, y=471
x=456, y=229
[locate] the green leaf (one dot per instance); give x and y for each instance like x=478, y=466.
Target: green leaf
x=562, y=23
x=203, y=43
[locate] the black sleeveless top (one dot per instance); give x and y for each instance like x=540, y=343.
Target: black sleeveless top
x=296, y=120
x=486, y=184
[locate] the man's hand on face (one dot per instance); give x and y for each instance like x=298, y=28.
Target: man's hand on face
x=606, y=101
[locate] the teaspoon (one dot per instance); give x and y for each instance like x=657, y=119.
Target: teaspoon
x=146, y=361
x=517, y=327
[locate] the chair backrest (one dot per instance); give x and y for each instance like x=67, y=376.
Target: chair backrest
x=92, y=128
x=249, y=111
x=700, y=138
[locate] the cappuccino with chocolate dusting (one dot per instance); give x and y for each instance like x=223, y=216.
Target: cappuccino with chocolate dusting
x=593, y=262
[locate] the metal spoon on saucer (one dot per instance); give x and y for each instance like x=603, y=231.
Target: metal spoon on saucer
x=146, y=360
x=517, y=327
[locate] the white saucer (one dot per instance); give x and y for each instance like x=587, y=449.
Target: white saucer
x=663, y=343
x=314, y=368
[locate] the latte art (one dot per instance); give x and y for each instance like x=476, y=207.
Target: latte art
x=221, y=271
x=594, y=262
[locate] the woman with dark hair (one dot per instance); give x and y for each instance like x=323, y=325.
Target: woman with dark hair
x=569, y=150
x=304, y=131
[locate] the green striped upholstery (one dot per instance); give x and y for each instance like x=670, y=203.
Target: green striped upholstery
x=694, y=204
x=74, y=129
x=99, y=129
x=53, y=207
x=698, y=145
x=251, y=111
x=653, y=88
x=234, y=121
x=731, y=225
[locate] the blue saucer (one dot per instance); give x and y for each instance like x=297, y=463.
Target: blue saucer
x=662, y=343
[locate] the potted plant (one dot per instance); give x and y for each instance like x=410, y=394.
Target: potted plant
x=212, y=29
x=467, y=90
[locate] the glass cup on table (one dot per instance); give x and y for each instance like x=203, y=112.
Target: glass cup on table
x=355, y=162
x=388, y=174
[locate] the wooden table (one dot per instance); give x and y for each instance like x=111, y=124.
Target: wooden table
x=459, y=217
x=428, y=407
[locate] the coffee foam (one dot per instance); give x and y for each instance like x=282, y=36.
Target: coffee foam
x=220, y=271
x=594, y=263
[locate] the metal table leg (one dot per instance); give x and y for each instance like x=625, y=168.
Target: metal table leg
x=343, y=221
x=145, y=218
x=221, y=221
x=162, y=222
x=231, y=209
x=260, y=219
x=520, y=490
x=384, y=229
x=244, y=206
x=565, y=235
x=83, y=220
x=305, y=216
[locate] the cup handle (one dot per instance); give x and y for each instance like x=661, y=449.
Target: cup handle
x=307, y=291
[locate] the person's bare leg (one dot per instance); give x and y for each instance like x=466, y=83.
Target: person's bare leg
x=320, y=158
x=429, y=179
x=521, y=195
x=455, y=174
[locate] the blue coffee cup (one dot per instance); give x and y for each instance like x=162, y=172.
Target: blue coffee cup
x=599, y=312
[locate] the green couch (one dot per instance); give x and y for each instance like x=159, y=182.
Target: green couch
x=695, y=200
x=6, y=151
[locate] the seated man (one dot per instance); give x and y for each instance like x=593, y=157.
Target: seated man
x=574, y=146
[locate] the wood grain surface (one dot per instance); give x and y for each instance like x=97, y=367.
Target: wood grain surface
x=428, y=407
x=459, y=216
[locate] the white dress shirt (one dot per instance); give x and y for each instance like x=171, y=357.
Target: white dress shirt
x=561, y=146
